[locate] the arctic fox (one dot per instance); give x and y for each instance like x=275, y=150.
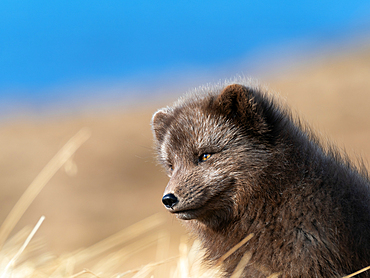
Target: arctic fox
x=239, y=164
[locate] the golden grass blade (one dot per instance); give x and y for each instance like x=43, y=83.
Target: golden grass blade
x=16, y=240
x=60, y=265
x=85, y=271
x=183, y=262
x=232, y=250
x=119, y=238
x=357, y=272
x=163, y=250
x=212, y=272
x=145, y=271
x=20, y=251
x=118, y=258
x=241, y=265
x=40, y=181
x=274, y=275
x=132, y=271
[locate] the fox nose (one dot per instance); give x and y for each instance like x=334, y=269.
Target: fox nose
x=169, y=200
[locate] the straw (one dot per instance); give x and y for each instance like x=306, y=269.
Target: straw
x=357, y=272
x=119, y=238
x=20, y=251
x=232, y=250
x=40, y=181
x=241, y=265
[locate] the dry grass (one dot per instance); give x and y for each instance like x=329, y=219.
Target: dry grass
x=15, y=261
x=13, y=265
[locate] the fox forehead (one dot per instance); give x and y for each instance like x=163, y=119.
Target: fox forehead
x=194, y=131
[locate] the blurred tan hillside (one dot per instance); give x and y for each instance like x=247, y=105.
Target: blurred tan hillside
x=117, y=182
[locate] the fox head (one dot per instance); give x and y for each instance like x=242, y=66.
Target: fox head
x=213, y=147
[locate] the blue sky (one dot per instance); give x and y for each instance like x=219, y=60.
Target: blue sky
x=49, y=44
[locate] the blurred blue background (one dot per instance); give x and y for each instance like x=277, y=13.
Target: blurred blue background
x=64, y=51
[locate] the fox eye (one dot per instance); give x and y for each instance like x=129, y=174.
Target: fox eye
x=204, y=157
x=170, y=167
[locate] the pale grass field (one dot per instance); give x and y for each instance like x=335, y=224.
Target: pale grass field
x=13, y=265
x=101, y=191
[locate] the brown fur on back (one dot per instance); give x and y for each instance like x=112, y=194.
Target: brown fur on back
x=308, y=208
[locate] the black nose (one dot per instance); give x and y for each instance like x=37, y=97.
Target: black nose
x=169, y=200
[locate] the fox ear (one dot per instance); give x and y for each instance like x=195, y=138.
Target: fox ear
x=239, y=104
x=159, y=123
x=233, y=100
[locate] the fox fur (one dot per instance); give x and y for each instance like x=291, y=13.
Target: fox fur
x=239, y=164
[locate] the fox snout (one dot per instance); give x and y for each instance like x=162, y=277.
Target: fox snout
x=187, y=192
x=169, y=200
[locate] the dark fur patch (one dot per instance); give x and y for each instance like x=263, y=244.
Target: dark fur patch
x=307, y=206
